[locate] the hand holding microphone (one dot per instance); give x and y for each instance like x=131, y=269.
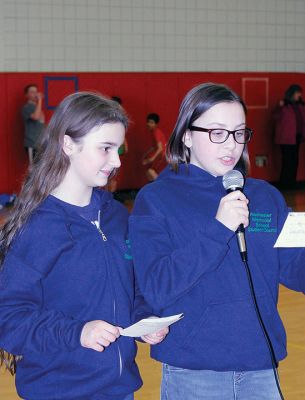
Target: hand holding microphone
x=233, y=208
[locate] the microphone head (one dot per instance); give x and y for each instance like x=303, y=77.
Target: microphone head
x=233, y=180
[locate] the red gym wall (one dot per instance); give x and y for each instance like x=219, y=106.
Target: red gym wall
x=143, y=93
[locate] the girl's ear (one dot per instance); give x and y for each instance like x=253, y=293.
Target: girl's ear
x=68, y=146
x=187, y=139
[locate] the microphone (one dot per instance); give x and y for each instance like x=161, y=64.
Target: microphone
x=234, y=180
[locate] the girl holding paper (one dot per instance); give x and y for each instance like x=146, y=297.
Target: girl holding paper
x=66, y=279
x=187, y=259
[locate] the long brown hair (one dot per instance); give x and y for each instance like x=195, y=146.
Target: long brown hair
x=75, y=116
x=196, y=102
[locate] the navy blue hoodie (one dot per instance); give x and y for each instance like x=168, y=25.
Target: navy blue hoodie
x=58, y=275
x=188, y=262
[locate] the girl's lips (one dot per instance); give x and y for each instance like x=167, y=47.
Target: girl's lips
x=105, y=172
x=228, y=161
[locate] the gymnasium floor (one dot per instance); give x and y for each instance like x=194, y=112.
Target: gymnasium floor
x=292, y=370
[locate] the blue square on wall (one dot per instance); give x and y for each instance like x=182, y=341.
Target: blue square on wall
x=58, y=87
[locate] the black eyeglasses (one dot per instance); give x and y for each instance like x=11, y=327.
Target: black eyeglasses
x=218, y=135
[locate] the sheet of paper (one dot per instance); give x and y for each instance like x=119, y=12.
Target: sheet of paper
x=150, y=325
x=293, y=232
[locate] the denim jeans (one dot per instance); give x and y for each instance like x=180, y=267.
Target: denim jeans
x=185, y=384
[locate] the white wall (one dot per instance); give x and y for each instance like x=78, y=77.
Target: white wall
x=152, y=35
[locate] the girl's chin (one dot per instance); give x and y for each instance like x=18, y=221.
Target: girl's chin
x=101, y=182
x=224, y=169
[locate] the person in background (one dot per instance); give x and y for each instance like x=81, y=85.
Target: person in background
x=155, y=158
x=7, y=200
x=289, y=118
x=33, y=118
x=66, y=274
x=182, y=230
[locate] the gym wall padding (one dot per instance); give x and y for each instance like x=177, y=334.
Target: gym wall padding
x=143, y=93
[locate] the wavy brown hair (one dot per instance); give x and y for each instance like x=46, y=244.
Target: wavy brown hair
x=75, y=116
x=196, y=102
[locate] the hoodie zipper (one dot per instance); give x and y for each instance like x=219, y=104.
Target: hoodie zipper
x=119, y=350
x=99, y=227
x=104, y=237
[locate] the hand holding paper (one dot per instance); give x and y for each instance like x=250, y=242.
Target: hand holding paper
x=293, y=232
x=150, y=325
x=157, y=337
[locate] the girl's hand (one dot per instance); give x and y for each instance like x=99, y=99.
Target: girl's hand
x=233, y=210
x=155, y=338
x=97, y=335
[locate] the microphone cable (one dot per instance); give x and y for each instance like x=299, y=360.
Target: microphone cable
x=264, y=330
x=234, y=180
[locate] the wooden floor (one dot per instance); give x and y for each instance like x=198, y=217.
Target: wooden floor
x=292, y=370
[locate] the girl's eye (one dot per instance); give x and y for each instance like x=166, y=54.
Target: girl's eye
x=218, y=132
x=105, y=149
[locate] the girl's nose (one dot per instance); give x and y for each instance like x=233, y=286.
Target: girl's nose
x=230, y=142
x=115, y=159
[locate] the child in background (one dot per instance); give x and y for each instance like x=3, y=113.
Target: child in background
x=289, y=118
x=187, y=259
x=155, y=157
x=7, y=200
x=67, y=280
x=33, y=118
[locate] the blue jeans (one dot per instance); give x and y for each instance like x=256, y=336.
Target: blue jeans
x=185, y=384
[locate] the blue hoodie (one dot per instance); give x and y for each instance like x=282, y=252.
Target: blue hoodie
x=59, y=274
x=188, y=262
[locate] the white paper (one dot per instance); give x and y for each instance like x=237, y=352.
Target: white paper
x=150, y=325
x=293, y=232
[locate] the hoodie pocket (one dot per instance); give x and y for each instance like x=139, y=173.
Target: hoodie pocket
x=197, y=327
x=229, y=334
